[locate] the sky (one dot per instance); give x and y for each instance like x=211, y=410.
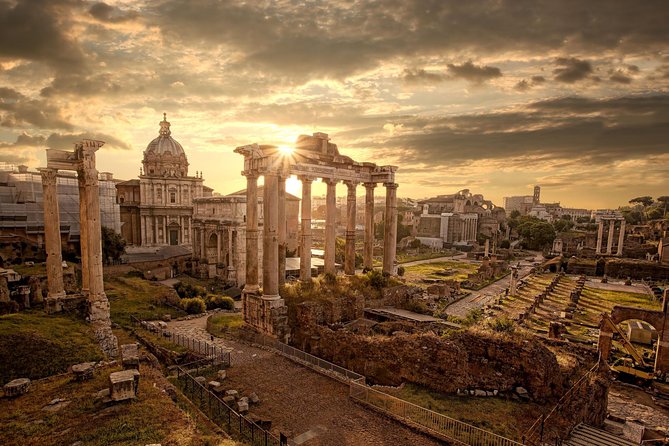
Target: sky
x=494, y=96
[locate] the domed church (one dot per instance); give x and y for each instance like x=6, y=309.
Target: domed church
x=157, y=209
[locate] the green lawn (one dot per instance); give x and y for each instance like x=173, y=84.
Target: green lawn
x=459, y=271
x=35, y=345
x=221, y=325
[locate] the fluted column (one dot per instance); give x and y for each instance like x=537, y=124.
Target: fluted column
x=83, y=234
x=282, y=229
x=349, y=259
x=609, y=245
x=270, y=276
x=621, y=238
x=330, y=225
x=368, y=252
x=390, y=234
x=600, y=236
x=54, y=253
x=305, y=221
x=251, y=285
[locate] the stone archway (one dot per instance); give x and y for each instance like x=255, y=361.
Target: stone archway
x=658, y=319
x=212, y=247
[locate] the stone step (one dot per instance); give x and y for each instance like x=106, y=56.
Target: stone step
x=584, y=435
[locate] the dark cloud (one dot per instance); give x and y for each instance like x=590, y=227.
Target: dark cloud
x=538, y=80
x=25, y=140
x=65, y=141
x=107, y=13
x=620, y=77
x=421, y=76
x=524, y=85
x=16, y=110
x=474, y=73
x=37, y=30
x=82, y=85
x=571, y=70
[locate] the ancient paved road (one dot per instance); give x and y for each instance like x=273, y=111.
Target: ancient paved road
x=301, y=402
x=488, y=294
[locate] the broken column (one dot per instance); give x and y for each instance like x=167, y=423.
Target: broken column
x=54, y=259
x=349, y=261
x=390, y=233
x=98, y=305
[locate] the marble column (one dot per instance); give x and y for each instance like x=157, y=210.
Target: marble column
x=600, y=236
x=305, y=221
x=621, y=238
x=282, y=229
x=368, y=251
x=251, y=285
x=54, y=253
x=218, y=247
x=203, y=246
x=609, y=245
x=349, y=259
x=270, y=276
x=330, y=225
x=83, y=234
x=390, y=233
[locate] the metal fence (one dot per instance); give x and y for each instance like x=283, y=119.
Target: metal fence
x=307, y=359
x=435, y=423
x=237, y=425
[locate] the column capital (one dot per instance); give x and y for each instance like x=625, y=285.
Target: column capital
x=49, y=175
x=369, y=185
x=329, y=181
x=351, y=184
x=391, y=185
x=305, y=179
x=250, y=174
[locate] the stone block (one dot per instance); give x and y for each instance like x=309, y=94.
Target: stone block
x=242, y=406
x=233, y=393
x=123, y=385
x=83, y=371
x=162, y=325
x=201, y=380
x=167, y=317
x=222, y=374
x=253, y=398
x=229, y=400
x=17, y=387
x=130, y=356
x=213, y=384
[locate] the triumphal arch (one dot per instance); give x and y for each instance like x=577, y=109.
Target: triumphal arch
x=314, y=157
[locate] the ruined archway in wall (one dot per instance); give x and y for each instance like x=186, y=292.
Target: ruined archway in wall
x=212, y=247
x=659, y=319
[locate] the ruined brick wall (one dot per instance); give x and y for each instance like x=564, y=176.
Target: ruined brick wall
x=636, y=269
x=461, y=361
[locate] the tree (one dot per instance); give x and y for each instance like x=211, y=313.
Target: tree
x=644, y=201
x=664, y=200
x=537, y=234
x=113, y=245
x=562, y=225
x=514, y=214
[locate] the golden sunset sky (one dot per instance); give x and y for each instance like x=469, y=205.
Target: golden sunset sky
x=494, y=96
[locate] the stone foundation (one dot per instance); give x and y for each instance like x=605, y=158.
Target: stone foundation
x=72, y=303
x=98, y=311
x=267, y=316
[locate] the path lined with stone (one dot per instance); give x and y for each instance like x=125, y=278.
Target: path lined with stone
x=305, y=405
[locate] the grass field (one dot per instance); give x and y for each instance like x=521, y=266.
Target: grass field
x=457, y=271
x=222, y=325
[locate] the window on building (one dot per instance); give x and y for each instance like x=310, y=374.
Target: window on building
x=173, y=197
x=159, y=194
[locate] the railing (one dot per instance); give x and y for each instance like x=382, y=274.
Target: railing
x=218, y=354
x=307, y=359
x=237, y=425
x=547, y=429
x=433, y=422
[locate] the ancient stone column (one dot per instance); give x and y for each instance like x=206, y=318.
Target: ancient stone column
x=368, y=252
x=98, y=305
x=609, y=245
x=621, y=238
x=330, y=225
x=54, y=253
x=218, y=247
x=165, y=240
x=349, y=260
x=390, y=233
x=282, y=229
x=487, y=248
x=83, y=235
x=305, y=221
x=203, y=246
x=251, y=285
x=270, y=275
x=600, y=236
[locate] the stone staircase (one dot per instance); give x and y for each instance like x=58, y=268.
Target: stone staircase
x=584, y=435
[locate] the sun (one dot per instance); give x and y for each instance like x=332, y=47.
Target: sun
x=286, y=150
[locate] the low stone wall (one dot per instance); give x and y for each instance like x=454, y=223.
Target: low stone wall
x=636, y=269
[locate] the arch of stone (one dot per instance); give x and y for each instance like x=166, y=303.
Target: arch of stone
x=314, y=157
x=82, y=161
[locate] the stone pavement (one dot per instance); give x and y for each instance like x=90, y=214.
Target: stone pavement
x=305, y=405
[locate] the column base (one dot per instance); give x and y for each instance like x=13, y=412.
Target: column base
x=267, y=314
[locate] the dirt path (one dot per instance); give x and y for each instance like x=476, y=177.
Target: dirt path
x=301, y=403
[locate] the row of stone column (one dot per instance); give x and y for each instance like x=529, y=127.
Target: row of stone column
x=469, y=229
x=609, y=245
x=274, y=233
x=151, y=223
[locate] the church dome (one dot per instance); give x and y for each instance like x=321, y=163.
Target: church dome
x=164, y=156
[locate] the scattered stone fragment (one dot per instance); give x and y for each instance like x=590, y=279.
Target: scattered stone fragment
x=130, y=356
x=17, y=387
x=167, y=317
x=162, y=325
x=56, y=404
x=522, y=393
x=242, y=406
x=123, y=385
x=229, y=400
x=222, y=374
x=201, y=380
x=213, y=384
x=232, y=393
x=253, y=398
x=83, y=371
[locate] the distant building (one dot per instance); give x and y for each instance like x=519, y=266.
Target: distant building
x=22, y=209
x=522, y=204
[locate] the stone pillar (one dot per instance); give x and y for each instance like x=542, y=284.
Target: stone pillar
x=305, y=221
x=487, y=248
x=98, y=305
x=513, y=284
x=621, y=238
x=609, y=245
x=270, y=266
x=218, y=247
x=390, y=233
x=600, y=236
x=251, y=285
x=662, y=354
x=330, y=225
x=203, y=245
x=368, y=253
x=54, y=253
x=164, y=219
x=83, y=235
x=349, y=261
x=282, y=229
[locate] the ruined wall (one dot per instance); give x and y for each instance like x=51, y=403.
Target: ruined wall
x=636, y=269
x=461, y=361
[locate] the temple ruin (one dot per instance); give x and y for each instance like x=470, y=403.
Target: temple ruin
x=313, y=157
x=82, y=161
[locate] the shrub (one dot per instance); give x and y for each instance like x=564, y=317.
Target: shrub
x=376, y=279
x=417, y=306
x=330, y=279
x=194, y=305
x=505, y=244
x=223, y=302
x=502, y=325
x=474, y=315
x=400, y=271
